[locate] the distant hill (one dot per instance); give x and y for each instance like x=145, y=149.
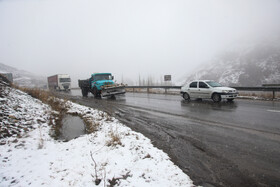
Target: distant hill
x=24, y=78
x=250, y=65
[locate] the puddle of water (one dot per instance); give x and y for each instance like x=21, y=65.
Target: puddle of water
x=72, y=127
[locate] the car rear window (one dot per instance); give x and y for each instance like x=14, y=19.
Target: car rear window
x=193, y=85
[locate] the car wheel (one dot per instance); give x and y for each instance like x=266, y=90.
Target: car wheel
x=186, y=96
x=216, y=97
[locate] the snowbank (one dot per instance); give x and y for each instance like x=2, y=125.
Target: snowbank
x=36, y=159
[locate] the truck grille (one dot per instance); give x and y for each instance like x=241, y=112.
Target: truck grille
x=108, y=83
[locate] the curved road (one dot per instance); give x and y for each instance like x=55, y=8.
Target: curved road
x=216, y=144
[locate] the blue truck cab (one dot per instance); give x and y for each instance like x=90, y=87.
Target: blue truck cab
x=98, y=80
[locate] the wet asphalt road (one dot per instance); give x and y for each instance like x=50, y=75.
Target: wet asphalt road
x=216, y=144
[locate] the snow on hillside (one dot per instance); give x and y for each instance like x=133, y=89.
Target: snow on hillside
x=24, y=78
x=30, y=157
x=250, y=65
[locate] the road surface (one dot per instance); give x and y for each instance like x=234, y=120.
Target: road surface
x=216, y=144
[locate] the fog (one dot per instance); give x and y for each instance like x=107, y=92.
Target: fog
x=128, y=38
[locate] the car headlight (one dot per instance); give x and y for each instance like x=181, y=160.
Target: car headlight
x=225, y=91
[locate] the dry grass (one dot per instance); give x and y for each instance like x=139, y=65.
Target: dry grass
x=97, y=179
x=115, y=139
x=37, y=93
x=91, y=126
x=46, y=97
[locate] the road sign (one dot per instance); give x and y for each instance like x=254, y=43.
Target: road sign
x=167, y=77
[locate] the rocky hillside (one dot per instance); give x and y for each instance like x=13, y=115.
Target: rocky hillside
x=252, y=65
x=24, y=78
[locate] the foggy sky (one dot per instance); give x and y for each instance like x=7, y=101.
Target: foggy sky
x=125, y=37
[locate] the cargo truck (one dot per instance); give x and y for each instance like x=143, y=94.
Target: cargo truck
x=101, y=84
x=61, y=82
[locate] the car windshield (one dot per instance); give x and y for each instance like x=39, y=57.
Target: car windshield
x=65, y=80
x=214, y=84
x=103, y=77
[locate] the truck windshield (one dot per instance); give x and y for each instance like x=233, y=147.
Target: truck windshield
x=213, y=84
x=64, y=80
x=103, y=77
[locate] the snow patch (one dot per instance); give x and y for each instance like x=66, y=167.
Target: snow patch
x=36, y=159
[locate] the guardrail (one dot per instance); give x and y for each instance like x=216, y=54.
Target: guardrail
x=273, y=89
x=164, y=87
x=150, y=87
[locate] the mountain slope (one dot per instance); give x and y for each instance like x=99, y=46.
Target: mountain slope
x=24, y=78
x=249, y=66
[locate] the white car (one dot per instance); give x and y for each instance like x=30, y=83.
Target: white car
x=207, y=89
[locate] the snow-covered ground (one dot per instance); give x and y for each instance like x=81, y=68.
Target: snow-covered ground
x=31, y=157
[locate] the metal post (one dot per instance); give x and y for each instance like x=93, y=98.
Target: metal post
x=273, y=94
x=165, y=90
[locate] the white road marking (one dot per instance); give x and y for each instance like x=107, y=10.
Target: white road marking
x=273, y=111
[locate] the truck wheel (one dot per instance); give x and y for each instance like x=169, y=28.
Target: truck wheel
x=186, y=96
x=216, y=97
x=84, y=92
x=96, y=93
